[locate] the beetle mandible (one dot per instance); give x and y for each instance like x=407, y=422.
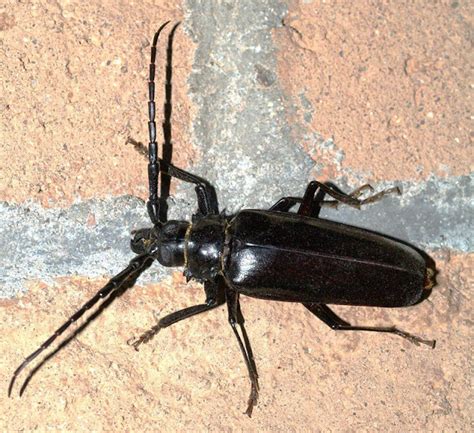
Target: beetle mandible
x=273, y=254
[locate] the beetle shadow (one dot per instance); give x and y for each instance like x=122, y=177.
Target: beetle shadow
x=430, y=263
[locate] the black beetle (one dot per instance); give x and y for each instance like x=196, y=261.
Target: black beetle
x=272, y=254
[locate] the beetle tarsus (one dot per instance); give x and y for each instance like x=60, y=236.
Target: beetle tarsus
x=135, y=342
x=414, y=339
x=253, y=397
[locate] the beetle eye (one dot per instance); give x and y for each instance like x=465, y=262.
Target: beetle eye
x=140, y=240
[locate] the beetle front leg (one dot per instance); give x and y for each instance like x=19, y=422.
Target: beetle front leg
x=330, y=318
x=236, y=318
x=206, y=196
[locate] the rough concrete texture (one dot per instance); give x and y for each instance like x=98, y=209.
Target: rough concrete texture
x=266, y=96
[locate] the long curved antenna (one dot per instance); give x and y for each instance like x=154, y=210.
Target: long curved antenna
x=153, y=205
x=137, y=265
x=102, y=306
x=167, y=150
x=167, y=107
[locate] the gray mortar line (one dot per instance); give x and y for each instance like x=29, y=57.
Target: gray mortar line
x=42, y=244
x=247, y=153
x=241, y=127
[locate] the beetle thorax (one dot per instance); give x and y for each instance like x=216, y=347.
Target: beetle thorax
x=204, y=245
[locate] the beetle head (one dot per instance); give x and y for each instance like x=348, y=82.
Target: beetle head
x=165, y=243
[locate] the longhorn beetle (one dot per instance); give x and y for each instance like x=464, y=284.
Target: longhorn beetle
x=274, y=254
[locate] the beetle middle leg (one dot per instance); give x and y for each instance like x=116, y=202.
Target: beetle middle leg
x=214, y=298
x=330, y=318
x=352, y=199
x=310, y=200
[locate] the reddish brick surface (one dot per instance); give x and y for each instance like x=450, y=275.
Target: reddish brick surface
x=75, y=89
x=390, y=83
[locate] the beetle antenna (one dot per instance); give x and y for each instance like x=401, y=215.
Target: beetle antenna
x=167, y=107
x=153, y=163
x=167, y=150
x=102, y=306
x=137, y=265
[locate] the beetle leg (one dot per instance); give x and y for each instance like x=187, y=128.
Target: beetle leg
x=355, y=194
x=206, y=195
x=214, y=298
x=359, y=192
x=248, y=347
x=236, y=318
x=285, y=204
x=376, y=197
x=324, y=313
x=311, y=203
x=371, y=199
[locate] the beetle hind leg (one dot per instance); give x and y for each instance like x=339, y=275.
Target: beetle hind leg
x=236, y=318
x=324, y=313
